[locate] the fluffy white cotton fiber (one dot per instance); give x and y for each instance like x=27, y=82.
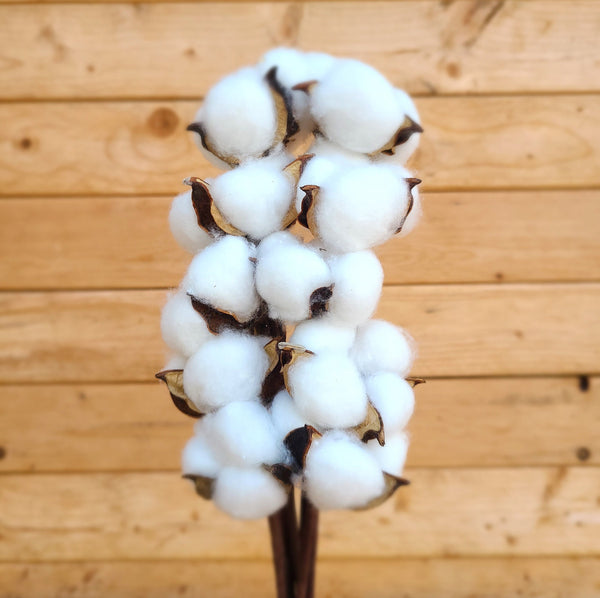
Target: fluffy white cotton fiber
x=360, y=208
x=382, y=347
x=198, y=458
x=285, y=415
x=239, y=115
x=223, y=276
x=357, y=279
x=175, y=362
x=341, y=473
x=243, y=435
x=184, y=224
x=322, y=335
x=356, y=107
x=287, y=273
x=248, y=493
x=393, y=397
x=254, y=197
x=392, y=456
x=228, y=367
x=328, y=390
x=182, y=327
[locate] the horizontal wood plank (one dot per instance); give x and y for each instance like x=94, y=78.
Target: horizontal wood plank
x=471, y=330
x=134, y=427
x=124, y=242
x=98, y=148
x=458, y=512
x=348, y=578
x=179, y=50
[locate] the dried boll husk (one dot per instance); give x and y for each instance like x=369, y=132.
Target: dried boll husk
x=324, y=335
x=416, y=209
x=245, y=115
x=248, y=493
x=243, y=435
x=288, y=273
x=183, y=329
x=393, y=397
x=173, y=378
x=392, y=456
x=223, y=276
x=382, y=347
x=341, y=473
x=357, y=209
x=184, y=224
x=229, y=367
x=328, y=390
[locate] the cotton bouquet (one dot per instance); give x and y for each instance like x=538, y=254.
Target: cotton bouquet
x=274, y=349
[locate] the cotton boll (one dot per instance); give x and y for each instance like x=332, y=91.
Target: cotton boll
x=175, y=362
x=182, y=327
x=255, y=197
x=392, y=456
x=228, y=367
x=321, y=335
x=285, y=415
x=198, y=458
x=393, y=397
x=184, y=225
x=239, y=115
x=357, y=280
x=382, y=347
x=341, y=473
x=328, y=390
x=318, y=64
x=286, y=276
x=223, y=276
x=248, y=493
x=316, y=172
x=356, y=107
x=243, y=435
x=360, y=208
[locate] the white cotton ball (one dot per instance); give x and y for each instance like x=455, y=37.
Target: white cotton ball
x=393, y=397
x=318, y=64
x=223, y=276
x=323, y=335
x=341, y=473
x=287, y=273
x=275, y=242
x=392, y=456
x=328, y=390
x=184, y=224
x=356, y=107
x=383, y=347
x=285, y=415
x=228, y=367
x=316, y=172
x=239, y=115
x=243, y=435
x=360, y=208
x=357, y=280
x=255, y=197
x=182, y=327
x=248, y=493
x=198, y=458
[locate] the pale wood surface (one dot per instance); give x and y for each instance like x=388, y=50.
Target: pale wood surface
x=134, y=427
x=549, y=577
x=445, y=512
x=81, y=148
x=179, y=50
x=123, y=242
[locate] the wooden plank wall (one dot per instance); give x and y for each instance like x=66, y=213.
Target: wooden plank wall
x=500, y=286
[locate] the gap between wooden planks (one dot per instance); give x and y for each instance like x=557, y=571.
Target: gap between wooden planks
x=179, y=50
x=461, y=330
x=547, y=511
x=390, y=578
x=124, y=242
x=141, y=148
x=134, y=427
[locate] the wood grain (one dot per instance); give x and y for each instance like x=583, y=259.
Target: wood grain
x=124, y=242
x=458, y=423
x=108, y=148
x=389, y=578
x=457, y=512
x=179, y=50
x=461, y=330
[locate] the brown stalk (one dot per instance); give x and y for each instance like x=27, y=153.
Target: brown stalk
x=309, y=531
x=281, y=562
